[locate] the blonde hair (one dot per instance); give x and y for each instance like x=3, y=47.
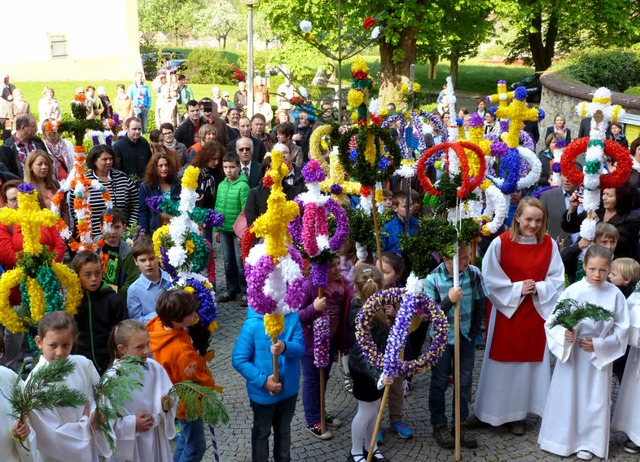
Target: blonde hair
x=48, y=181
x=121, y=334
x=515, y=225
x=628, y=269
x=367, y=280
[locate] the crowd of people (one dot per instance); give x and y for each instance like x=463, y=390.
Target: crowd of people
x=507, y=303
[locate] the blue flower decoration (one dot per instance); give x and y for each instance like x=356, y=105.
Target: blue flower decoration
x=520, y=93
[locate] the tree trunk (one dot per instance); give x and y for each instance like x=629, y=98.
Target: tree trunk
x=395, y=61
x=542, y=51
x=454, y=58
x=433, y=66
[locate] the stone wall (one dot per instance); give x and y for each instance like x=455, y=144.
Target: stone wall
x=561, y=96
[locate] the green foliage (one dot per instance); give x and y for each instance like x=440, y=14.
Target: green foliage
x=199, y=402
x=113, y=390
x=45, y=390
x=616, y=68
x=361, y=227
x=206, y=65
x=449, y=187
x=568, y=313
x=174, y=19
x=635, y=90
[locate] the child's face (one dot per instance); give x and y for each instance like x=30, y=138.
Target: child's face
x=90, y=276
x=334, y=270
x=138, y=345
x=607, y=242
x=148, y=265
x=231, y=170
x=401, y=209
x=389, y=275
x=56, y=344
x=615, y=130
x=616, y=278
x=113, y=238
x=388, y=203
x=415, y=208
x=464, y=258
x=596, y=270
x=186, y=322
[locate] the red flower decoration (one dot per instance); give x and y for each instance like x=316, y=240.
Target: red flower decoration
x=296, y=100
x=376, y=119
x=368, y=22
x=611, y=149
x=238, y=74
x=360, y=75
x=246, y=243
x=267, y=181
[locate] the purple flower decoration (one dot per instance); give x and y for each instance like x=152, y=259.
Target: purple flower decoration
x=499, y=148
x=502, y=82
x=539, y=192
x=504, y=126
x=476, y=120
x=26, y=188
x=295, y=292
x=561, y=144
x=353, y=155
x=527, y=141
x=164, y=261
x=109, y=140
x=95, y=140
x=256, y=277
x=492, y=109
x=398, y=336
x=321, y=340
x=116, y=120
x=336, y=189
x=295, y=225
x=214, y=219
x=555, y=167
x=153, y=202
x=520, y=93
x=509, y=170
x=312, y=172
x=208, y=311
x=342, y=225
x=320, y=273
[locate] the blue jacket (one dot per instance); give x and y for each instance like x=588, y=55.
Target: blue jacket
x=252, y=357
x=394, y=229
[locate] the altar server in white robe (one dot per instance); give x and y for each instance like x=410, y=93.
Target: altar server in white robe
x=10, y=430
x=144, y=434
x=524, y=275
x=67, y=433
x=577, y=414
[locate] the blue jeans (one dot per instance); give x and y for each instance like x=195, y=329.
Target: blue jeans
x=190, y=445
x=143, y=115
x=233, y=269
x=439, y=376
x=311, y=386
x=278, y=415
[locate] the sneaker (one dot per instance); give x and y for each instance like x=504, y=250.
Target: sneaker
x=225, y=297
x=443, y=436
x=316, y=430
x=402, y=429
x=474, y=422
x=584, y=455
x=331, y=421
x=631, y=447
x=465, y=440
x=516, y=428
x=244, y=301
x=380, y=438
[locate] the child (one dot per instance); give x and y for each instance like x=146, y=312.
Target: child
x=145, y=432
x=387, y=199
x=606, y=235
x=416, y=204
x=66, y=433
x=472, y=297
x=100, y=309
x=395, y=227
x=230, y=200
x=11, y=431
x=273, y=403
x=335, y=300
x=172, y=348
x=144, y=292
x=118, y=268
x=577, y=413
x=367, y=280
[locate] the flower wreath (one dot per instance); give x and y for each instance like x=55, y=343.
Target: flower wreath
x=496, y=208
x=375, y=156
x=415, y=117
x=511, y=166
x=318, y=143
x=420, y=304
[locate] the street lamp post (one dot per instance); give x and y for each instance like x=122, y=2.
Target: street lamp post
x=249, y=110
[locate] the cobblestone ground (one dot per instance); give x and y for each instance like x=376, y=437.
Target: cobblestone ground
x=234, y=439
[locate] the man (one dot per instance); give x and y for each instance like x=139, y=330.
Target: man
x=556, y=201
x=285, y=92
x=294, y=178
x=133, y=151
x=16, y=148
x=240, y=98
x=185, y=94
x=140, y=95
x=6, y=106
x=302, y=134
x=284, y=133
x=189, y=128
x=260, y=86
x=169, y=141
x=208, y=110
x=258, y=149
x=250, y=168
x=258, y=123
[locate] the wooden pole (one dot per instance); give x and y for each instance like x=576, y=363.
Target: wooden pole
x=383, y=404
x=374, y=212
x=274, y=339
x=323, y=415
x=456, y=377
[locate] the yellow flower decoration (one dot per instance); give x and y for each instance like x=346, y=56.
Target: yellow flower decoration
x=317, y=145
x=354, y=117
x=189, y=289
x=517, y=113
x=384, y=112
x=158, y=235
x=273, y=324
x=502, y=97
x=485, y=185
x=69, y=280
x=190, y=178
x=359, y=64
x=189, y=246
x=36, y=299
x=213, y=326
x=355, y=98
x=416, y=87
x=8, y=317
x=309, y=36
x=370, y=149
x=379, y=196
x=30, y=218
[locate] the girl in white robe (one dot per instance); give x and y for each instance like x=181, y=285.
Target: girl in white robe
x=10, y=431
x=576, y=417
x=144, y=434
x=64, y=433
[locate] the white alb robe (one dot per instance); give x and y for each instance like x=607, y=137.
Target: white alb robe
x=154, y=443
x=508, y=391
x=65, y=434
x=576, y=417
x=11, y=450
x=626, y=417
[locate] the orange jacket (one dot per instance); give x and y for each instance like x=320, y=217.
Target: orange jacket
x=174, y=351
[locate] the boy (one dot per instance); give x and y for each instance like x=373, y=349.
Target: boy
x=624, y=274
x=395, y=227
x=273, y=403
x=230, y=200
x=144, y=292
x=472, y=297
x=171, y=346
x=388, y=199
x=99, y=311
x=118, y=267
x=606, y=235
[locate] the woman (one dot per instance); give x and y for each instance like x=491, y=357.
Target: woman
x=524, y=276
x=219, y=103
x=546, y=157
x=209, y=161
x=617, y=134
x=160, y=179
x=167, y=107
x=559, y=126
x=123, y=192
x=48, y=107
x=233, y=117
x=39, y=172
x=60, y=150
x=122, y=104
x=206, y=134
x=634, y=177
x=156, y=142
x=616, y=209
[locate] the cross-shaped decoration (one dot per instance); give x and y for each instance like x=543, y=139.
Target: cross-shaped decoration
x=600, y=110
x=517, y=113
x=336, y=183
x=502, y=97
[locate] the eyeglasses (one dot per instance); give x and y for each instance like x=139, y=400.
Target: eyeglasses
x=244, y=149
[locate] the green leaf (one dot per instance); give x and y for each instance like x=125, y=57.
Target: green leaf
x=199, y=402
x=568, y=313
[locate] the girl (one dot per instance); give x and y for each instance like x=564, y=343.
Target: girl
x=11, y=430
x=39, y=171
x=576, y=417
x=62, y=432
x=144, y=434
x=367, y=280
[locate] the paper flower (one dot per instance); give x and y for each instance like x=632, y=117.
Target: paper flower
x=305, y=26
x=375, y=33
x=368, y=22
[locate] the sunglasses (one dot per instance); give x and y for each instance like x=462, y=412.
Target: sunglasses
x=244, y=149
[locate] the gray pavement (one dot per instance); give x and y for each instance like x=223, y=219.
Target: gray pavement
x=234, y=439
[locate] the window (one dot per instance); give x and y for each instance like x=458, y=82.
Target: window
x=58, y=45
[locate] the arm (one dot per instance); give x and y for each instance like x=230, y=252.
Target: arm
x=505, y=295
x=251, y=207
x=243, y=194
x=295, y=347
x=134, y=304
x=571, y=221
x=548, y=290
x=612, y=346
x=132, y=202
x=243, y=355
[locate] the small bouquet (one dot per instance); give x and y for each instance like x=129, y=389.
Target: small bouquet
x=568, y=313
x=132, y=233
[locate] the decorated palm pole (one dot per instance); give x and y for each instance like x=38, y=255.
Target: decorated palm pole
x=274, y=268
x=310, y=233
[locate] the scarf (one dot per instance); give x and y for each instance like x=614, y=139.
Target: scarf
x=171, y=145
x=60, y=168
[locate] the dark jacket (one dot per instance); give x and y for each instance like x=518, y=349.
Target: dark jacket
x=379, y=333
x=259, y=151
x=98, y=312
x=208, y=182
x=147, y=219
x=567, y=134
x=257, y=200
x=133, y=157
x=9, y=155
x=185, y=133
x=304, y=142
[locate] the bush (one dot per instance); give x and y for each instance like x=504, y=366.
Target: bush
x=633, y=91
x=208, y=66
x=615, y=68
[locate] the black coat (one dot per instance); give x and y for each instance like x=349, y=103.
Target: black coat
x=132, y=158
x=9, y=155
